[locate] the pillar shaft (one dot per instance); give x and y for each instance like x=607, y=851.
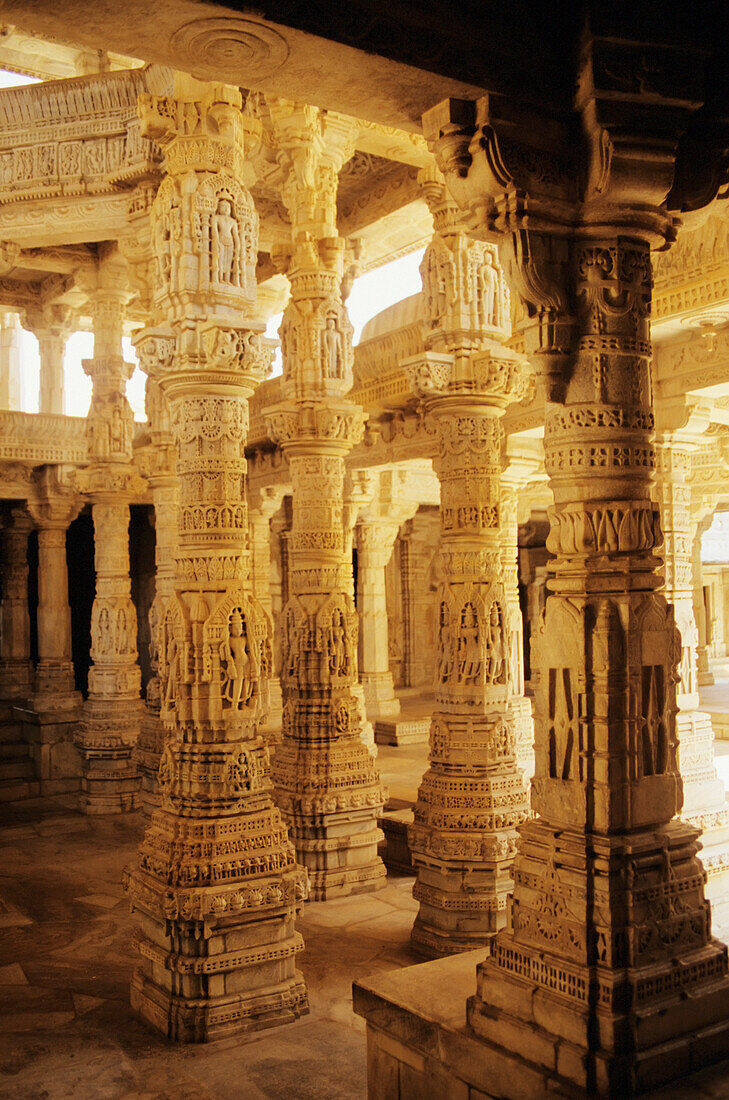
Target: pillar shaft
x=520, y=706
x=10, y=364
x=473, y=796
x=216, y=887
x=112, y=713
x=375, y=544
x=584, y=989
x=54, y=688
x=15, y=665
x=326, y=781
x=704, y=794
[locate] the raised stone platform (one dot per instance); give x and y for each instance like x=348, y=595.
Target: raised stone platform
x=402, y=730
x=420, y=1045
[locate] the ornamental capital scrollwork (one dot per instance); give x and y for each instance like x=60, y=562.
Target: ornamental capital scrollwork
x=244, y=352
x=429, y=374
x=313, y=422
x=155, y=349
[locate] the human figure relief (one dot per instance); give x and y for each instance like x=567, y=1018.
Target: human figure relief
x=332, y=340
x=338, y=646
x=445, y=646
x=122, y=639
x=174, y=668
x=496, y=673
x=240, y=663
x=488, y=290
x=226, y=242
x=469, y=647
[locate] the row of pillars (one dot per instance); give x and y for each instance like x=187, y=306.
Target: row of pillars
x=606, y=883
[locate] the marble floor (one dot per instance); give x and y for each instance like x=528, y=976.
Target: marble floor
x=66, y=1030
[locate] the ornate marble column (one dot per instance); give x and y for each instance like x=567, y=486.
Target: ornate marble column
x=705, y=677
x=112, y=713
x=261, y=507
x=53, y=688
x=10, y=365
x=16, y=670
x=519, y=470
x=607, y=980
x=704, y=795
x=216, y=888
x=375, y=537
x=473, y=796
x=51, y=328
x=326, y=781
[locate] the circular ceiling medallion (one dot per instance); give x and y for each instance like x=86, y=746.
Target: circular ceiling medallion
x=239, y=49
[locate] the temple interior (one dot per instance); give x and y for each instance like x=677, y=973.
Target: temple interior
x=364, y=550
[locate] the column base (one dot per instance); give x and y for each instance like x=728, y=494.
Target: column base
x=16, y=681
x=379, y=695
x=556, y=1030
x=342, y=858
x=105, y=738
x=460, y=909
x=54, y=688
x=402, y=731
x=243, y=968
x=204, y=1021
x=419, y=1042
x=146, y=756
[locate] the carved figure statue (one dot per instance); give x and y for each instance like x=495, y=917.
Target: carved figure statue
x=173, y=667
x=445, y=646
x=338, y=646
x=496, y=673
x=469, y=647
x=226, y=242
x=488, y=290
x=240, y=663
x=332, y=340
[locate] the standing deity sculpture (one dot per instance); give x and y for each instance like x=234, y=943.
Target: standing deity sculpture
x=226, y=242
x=332, y=341
x=239, y=660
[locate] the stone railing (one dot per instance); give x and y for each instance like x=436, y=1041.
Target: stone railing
x=41, y=439
x=75, y=137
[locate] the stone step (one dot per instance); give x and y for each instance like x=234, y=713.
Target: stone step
x=14, y=790
x=12, y=749
x=10, y=731
x=21, y=768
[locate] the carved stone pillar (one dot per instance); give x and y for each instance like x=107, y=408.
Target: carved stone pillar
x=217, y=887
x=51, y=328
x=704, y=795
x=262, y=506
x=53, y=687
x=10, y=365
x=326, y=781
x=375, y=541
x=705, y=677
x=112, y=713
x=16, y=670
x=607, y=980
x=473, y=795
x=520, y=707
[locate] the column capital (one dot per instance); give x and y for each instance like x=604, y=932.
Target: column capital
x=55, y=511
